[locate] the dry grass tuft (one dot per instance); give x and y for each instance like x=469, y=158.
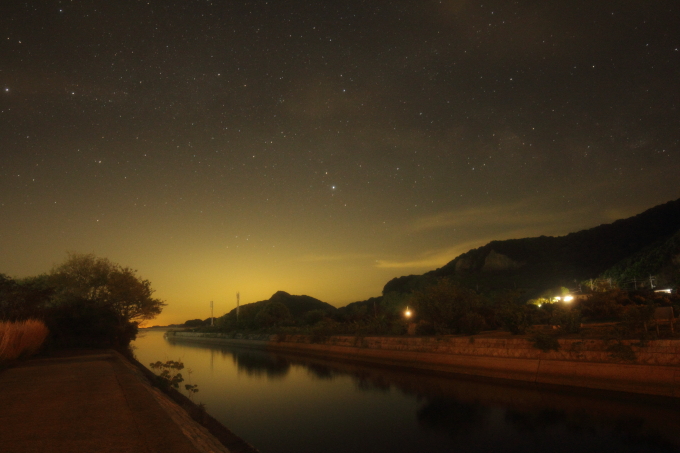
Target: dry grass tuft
x=21, y=338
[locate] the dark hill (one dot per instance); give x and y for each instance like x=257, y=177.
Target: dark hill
x=535, y=264
x=661, y=260
x=297, y=305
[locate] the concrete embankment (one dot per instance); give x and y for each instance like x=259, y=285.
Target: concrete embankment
x=654, y=370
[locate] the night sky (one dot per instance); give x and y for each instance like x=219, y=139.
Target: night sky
x=323, y=148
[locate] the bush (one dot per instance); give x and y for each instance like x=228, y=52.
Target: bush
x=636, y=317
x=272, y=314
x=545, y=342
x=445, y=304
x=425, y=328
x=472, y=324
x=80, y=323
x=167, y=378
x=604, y=306
x=323, y=330
x=620, y=351
x=21, y=338
x=399, y=328
x=313, y=316
x=516, y=318
x=569, y=320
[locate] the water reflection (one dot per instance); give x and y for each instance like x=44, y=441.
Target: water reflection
x=321, y=371
x=528, y=421
x=249, y=361
x=368, y=382
x=462, y=407
x=284, y=402
x=254, y=363
x=452, y=417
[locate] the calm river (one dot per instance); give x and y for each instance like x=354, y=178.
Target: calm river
x=283, y=403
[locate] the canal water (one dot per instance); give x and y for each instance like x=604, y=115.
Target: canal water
x=291, y=404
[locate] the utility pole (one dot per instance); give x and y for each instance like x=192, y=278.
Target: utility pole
x=212, y=317
x=238, y=303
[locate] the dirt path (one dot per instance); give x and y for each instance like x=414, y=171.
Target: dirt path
x=92, y=402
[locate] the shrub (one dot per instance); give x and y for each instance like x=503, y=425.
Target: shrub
x=21, y=338
x=80, y=323
x=399, y=328
x=620, y=351
x=445, y=304
x=314, y=316
x=516, y=318
x=604, y=306
x=168, y=378
x=272, y=314
x=472, y=323
x=425, y=328
x=323, y=330
x=636, y=317
x=545, y=342
x=569, y=321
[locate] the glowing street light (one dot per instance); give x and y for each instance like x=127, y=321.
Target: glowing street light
x=407, y=313
x=568, y=298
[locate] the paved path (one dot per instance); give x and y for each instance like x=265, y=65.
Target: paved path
x=92, y=402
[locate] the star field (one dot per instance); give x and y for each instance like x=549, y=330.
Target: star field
x=323, y=148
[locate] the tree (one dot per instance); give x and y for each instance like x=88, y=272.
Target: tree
x=24, y=298
x=513, y=314
x=91, y=285
x=445, y=304
x=272, y=314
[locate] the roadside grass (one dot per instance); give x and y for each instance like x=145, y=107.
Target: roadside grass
x=22, y=338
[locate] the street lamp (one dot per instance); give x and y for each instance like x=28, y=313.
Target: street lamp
x=407, y=313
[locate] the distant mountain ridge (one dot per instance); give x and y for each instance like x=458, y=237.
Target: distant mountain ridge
x=534, y=264
x=297, y=305
x=642, y=245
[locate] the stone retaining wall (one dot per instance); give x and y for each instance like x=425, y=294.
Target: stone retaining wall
x=581, y=363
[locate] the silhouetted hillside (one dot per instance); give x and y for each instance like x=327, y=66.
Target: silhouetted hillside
x=660, y=260
x=534, y=264
x=360, y=308
x=297, y=305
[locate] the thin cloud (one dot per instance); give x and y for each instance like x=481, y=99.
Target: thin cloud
x=511, y=221
x=430, y=259
x=507, y=215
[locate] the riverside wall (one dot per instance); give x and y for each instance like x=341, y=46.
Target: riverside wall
x=589, y=363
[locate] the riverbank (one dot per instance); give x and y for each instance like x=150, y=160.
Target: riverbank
x=93, y=401
x=652, y=369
